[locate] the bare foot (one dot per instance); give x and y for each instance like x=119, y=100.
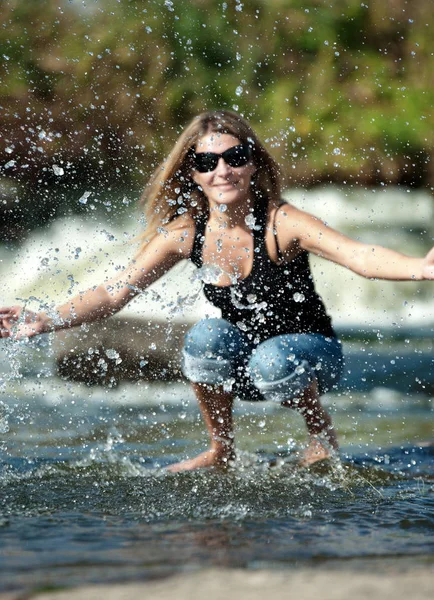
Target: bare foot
x=209, y=458
x=315, y=452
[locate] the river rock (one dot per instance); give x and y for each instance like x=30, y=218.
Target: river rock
x=106, y=352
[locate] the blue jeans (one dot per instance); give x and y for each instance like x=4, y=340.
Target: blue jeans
x=279, y=369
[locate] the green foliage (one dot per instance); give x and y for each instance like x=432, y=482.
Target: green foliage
x=103, y=87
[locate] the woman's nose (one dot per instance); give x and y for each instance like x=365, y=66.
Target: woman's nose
x=222, y=167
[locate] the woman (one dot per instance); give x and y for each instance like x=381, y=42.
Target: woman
x=216, y=201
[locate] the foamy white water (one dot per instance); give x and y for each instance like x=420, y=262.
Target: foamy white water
x=77, y=252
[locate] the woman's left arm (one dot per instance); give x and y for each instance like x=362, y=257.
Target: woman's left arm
x=368, y=260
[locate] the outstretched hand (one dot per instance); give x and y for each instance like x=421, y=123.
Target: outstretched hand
x=12, y=325
x=428, y=265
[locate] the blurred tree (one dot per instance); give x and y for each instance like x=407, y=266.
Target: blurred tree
x=98, y=90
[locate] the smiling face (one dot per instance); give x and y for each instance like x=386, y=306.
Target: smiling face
x=225, y=184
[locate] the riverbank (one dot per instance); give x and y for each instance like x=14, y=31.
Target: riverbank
x=398, y=579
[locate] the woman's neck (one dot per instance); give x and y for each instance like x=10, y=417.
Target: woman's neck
x=230, y=215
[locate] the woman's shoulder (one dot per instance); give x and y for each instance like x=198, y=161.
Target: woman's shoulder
x=284, y=205
x=291, y=225
x=285, y=210
x=184, y=221
x=280, y=211
x=179, y=234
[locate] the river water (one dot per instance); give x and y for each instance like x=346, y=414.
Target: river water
x=84, y=496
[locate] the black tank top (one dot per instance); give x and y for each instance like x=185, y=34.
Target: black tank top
x=274, y=298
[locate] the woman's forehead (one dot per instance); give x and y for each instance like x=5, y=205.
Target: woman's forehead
x=216, y=142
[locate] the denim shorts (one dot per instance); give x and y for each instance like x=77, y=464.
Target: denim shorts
x=279, y=369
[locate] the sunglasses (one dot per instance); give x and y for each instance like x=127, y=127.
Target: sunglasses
x=237, y=156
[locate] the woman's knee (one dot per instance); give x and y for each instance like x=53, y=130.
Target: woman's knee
x=214, y=351
x=278, y=372
x=213, y=338
x=274, y=360
x=287, y=365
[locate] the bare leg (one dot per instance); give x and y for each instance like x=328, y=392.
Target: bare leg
x=216, y=408
x=318, y=423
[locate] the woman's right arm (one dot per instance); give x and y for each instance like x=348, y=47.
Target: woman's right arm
x=105, y=299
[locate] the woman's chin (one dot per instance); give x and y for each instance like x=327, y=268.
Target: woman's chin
x=230, y=196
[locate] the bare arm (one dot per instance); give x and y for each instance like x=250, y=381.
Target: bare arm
x=105, y=299
x=296, y=228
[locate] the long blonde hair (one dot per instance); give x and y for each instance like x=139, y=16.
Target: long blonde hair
x=171, y=190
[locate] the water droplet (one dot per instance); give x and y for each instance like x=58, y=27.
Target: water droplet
x=239, y=91
x=4, y=414
x=298, y=297
x=113, y=355
x=58, y=170
x=209, y=273
x=84, y=198
x=250, y=221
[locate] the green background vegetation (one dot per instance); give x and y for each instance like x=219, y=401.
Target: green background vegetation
x=340, y=90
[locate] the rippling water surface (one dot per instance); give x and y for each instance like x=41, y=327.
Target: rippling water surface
x=84, y=496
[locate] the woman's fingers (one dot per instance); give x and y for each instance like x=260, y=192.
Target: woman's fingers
x=428, y=265
x=6, y=317
x=5, y=327
x=10, y=312
x=9, y=316
x=12, y=330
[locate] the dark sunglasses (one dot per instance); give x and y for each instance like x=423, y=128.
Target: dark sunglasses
x=237, y=156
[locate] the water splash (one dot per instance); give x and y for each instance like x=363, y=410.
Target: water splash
x=5, y=411
x=236, y=297
x=209, y=274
